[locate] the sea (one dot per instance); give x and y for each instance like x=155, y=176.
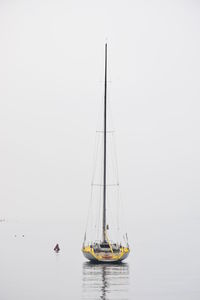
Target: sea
x=163, y=264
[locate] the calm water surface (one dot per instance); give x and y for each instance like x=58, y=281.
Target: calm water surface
x=103, y=281
x=164, y=263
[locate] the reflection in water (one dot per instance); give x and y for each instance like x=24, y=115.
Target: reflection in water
x=105, y=281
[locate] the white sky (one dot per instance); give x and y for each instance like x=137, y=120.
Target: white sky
x=51, y=73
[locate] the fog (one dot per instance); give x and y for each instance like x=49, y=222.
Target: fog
x=51, y=90
x=51, y=87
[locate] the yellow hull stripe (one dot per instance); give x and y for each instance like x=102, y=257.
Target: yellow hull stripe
x=109, y=256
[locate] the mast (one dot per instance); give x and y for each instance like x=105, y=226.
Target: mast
x=104, y=158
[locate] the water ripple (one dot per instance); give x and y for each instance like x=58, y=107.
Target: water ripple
x=105, y=281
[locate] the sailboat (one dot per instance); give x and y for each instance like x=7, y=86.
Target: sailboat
x=105, y=250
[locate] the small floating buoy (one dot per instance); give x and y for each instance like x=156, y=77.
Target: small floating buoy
x=56, y=248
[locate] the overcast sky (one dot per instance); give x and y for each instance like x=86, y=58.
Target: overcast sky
x=51, y=73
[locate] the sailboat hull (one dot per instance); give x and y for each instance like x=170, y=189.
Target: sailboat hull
x=105, y=257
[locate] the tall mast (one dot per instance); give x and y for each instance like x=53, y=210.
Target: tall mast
x=104, y=158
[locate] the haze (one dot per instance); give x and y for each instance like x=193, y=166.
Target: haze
x=51, y=86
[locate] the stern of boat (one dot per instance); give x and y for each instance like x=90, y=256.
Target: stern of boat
x=90, y=254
